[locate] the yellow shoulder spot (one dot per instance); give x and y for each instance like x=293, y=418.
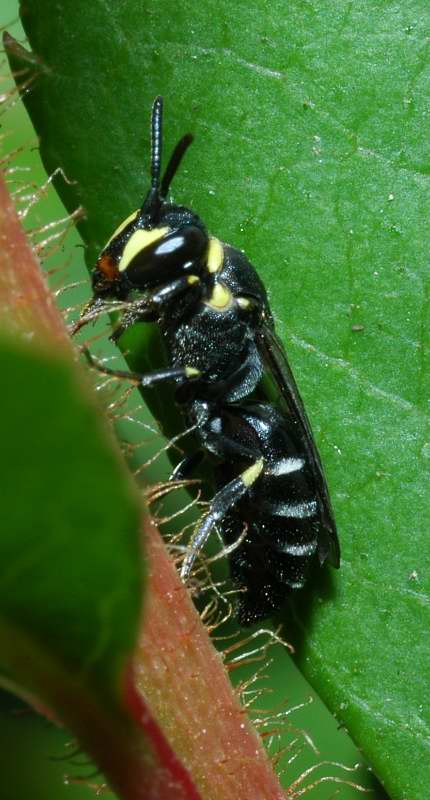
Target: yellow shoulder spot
x=221, y=297
x=121, y=227
x=243, y=302
x=250, y=475
x=215, y=256
x=137, y=242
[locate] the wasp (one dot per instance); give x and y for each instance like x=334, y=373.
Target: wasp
x=232, y=383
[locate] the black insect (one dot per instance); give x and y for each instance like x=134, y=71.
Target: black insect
x=233, y=383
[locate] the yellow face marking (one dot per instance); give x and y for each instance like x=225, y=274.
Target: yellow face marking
x=137, y=242
x=193, y=279
x=121, y=227
x=221, y=298
x=192, y=372
x=250, y=475
x=215, y=256
x=243, y=302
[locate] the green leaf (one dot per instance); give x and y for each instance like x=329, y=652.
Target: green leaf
x=71, y=580
x=71, y=584
x=311, y=153
x=72, y=512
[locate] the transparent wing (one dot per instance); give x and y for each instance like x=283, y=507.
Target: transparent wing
x=275, y=359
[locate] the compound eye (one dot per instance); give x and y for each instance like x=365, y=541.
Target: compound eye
x=169, y=257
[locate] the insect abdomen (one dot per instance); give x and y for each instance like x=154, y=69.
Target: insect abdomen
x=273, y=560
x=283, y=519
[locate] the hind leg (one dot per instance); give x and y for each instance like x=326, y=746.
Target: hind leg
x=222, y=503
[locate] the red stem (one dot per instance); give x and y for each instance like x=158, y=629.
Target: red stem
x=196, y=725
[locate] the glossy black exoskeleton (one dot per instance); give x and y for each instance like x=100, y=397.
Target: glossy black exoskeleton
x=223, y=353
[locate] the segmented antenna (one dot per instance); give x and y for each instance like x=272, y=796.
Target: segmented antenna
x=157, y=193
x=152, y=202
x=174, y=163
x=156, y=142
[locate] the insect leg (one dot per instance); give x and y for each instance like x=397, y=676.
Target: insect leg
x=137, y=312
x=148, y=380
x=223, y=501
x=149, y=309
x=172, y=290
x=187, y=466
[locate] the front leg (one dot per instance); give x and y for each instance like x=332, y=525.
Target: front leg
x=136, y=311
x=149, y=309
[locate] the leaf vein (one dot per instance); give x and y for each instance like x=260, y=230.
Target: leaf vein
x=369, y=388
